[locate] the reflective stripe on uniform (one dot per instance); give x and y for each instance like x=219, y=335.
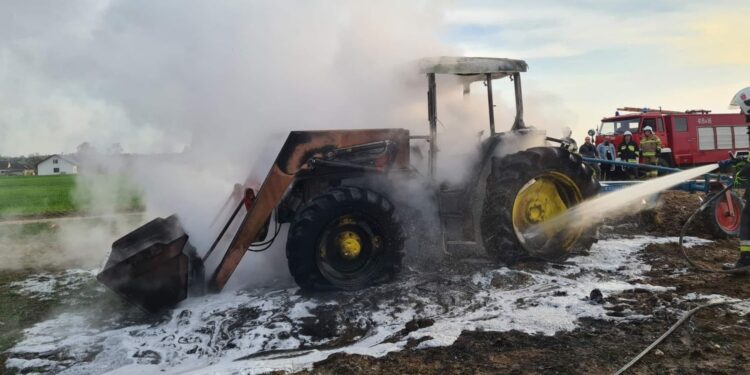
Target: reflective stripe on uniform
x=745, y=243
x=744, y=248
x=650, y=146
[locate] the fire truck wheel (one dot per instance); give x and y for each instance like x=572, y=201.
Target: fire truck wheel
x=346, y=238
x=721, y=220
x=528, y=188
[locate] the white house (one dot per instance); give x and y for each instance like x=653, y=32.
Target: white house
x=57, y=164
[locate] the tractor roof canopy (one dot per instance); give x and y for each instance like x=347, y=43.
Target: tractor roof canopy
x=468, y=70
x=472, y=68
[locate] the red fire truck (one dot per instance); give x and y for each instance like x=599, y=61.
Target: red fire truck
x=687, y=138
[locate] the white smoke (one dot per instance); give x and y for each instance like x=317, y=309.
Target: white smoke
x=223, y=83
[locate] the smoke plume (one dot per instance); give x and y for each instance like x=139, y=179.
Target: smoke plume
x=210, y=91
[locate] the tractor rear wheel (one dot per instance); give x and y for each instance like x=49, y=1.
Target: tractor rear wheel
x=346, y=238
x=528, y=188
x=722, y=216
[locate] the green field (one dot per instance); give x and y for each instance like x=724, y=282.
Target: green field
x=37, y=196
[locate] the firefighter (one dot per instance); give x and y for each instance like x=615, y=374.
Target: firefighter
x=588, y=150
x=606, y=151
x=742, y=176
x=650, y=149
x=629, y=152
x=742, y=168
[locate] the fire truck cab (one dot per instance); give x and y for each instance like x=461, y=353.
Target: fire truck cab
x=688, y=138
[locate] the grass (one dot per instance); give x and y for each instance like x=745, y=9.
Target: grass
x=18, y=312
x=35, y=196
x=33, y=248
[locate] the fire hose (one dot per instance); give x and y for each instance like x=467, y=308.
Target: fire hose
x=695, y=266
x=671, y=329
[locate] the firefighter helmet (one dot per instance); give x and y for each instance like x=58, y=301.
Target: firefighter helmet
x=648, y=129
x=627, y=132
x=742, y=99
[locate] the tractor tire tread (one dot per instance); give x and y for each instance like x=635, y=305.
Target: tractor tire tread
x=508, y=175
x=317, y=213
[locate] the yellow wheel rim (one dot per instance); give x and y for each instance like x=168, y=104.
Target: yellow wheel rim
x=350, y=245
x=543, y=198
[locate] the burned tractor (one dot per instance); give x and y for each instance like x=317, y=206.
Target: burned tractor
x=334, y=190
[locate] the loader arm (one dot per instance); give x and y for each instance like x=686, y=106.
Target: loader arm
x=298, y=149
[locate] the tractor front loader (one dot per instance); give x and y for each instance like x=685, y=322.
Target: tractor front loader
x=335, y=190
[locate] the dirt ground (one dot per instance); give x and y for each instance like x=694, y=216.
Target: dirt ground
x=714, y=341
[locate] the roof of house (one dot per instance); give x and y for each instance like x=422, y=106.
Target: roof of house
x=69, y=158
x=12, y=165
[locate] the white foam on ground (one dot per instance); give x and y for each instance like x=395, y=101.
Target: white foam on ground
x=46, y=286
x=738, y=306
x=214, y=334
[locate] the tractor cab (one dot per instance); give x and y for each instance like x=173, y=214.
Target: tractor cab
x=469, y=70
x=495, y=206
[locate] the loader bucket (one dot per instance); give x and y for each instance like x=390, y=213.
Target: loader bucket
x=154, y=267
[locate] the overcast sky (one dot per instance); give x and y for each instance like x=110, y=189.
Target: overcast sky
x=112, y=71
x=598, y=55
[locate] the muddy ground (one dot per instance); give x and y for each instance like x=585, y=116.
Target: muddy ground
x=254, y=330
x=714, y=341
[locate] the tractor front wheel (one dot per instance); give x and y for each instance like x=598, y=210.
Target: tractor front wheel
x=346, y=238
x=530, y=187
